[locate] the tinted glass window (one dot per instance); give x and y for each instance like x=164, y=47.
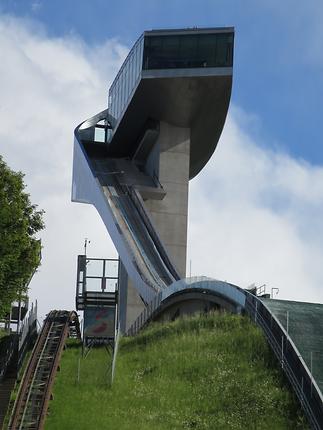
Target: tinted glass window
x=187, y=51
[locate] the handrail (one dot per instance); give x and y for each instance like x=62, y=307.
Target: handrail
x=14, y=346
x=27, y=324
x=145, y=316
x=92, y=122
x=9, y=347
x=291, y=361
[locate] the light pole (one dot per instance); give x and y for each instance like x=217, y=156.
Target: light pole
x=86, y=243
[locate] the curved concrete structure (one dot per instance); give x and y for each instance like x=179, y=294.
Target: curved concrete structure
x=190, y=91
x=166, y=110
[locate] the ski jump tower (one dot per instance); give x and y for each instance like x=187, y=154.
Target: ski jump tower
x=133, y=161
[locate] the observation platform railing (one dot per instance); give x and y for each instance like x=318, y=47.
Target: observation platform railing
x=291, y=361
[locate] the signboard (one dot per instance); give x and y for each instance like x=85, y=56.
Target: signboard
x=99, y=322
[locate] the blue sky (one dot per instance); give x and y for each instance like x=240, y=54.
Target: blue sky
x=277, y=64
x=255, y=211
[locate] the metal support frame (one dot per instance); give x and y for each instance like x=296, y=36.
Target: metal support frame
x=35, y=390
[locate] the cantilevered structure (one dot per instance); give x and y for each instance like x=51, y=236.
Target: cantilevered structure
x=166, y=110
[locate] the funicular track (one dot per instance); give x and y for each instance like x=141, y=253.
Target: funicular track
x=35, y=391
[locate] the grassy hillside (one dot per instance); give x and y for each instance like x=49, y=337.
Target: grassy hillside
x=205, y=372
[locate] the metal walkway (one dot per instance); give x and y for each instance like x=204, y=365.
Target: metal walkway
x=35, y=390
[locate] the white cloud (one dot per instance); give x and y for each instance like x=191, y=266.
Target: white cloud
x=48, y=86
x=255, y=214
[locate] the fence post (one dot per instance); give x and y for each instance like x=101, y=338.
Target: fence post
x=282, y=352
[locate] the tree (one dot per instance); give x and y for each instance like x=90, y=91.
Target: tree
x=19, y=248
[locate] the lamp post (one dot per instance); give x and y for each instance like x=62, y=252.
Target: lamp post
x=86, y=243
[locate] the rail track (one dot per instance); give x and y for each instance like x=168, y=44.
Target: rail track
x=31, y=405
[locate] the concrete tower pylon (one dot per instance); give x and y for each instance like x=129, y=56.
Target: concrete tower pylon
x=169, y=215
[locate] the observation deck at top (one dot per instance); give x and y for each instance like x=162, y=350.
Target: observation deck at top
x=182, y=77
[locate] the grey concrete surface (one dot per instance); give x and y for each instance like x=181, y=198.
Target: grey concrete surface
x=170, y=214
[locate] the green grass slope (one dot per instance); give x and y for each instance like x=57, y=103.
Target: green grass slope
x=204, y=372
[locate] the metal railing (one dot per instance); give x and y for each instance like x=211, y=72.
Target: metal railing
x=13, y=348
x=28, y=323
x=145, y=316
x=8, y=351
x=30, y=408
x=291, y=361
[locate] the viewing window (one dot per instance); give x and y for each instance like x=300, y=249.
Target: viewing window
x=188, y=51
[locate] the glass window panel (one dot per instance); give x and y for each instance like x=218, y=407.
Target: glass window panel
x=99, y=135
x=132, y=73
x=195, y=50
x=130, y=76
x=111, y=285
x=230, y=50
x=115, y=102
x=206, y=50
x=122, y=89
x=136, y=60
x=135, y=69
x=112, y=108
x=170, y=52
x=126, y=84
x=139, y=57
x=93, y=284
x=118, y=100
x=120, y=97
x=153, y=52
x=222, y=50
x=188, y=51
x=141, y=49
x=94, y=268
x=111, y=268
x=146, y=57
